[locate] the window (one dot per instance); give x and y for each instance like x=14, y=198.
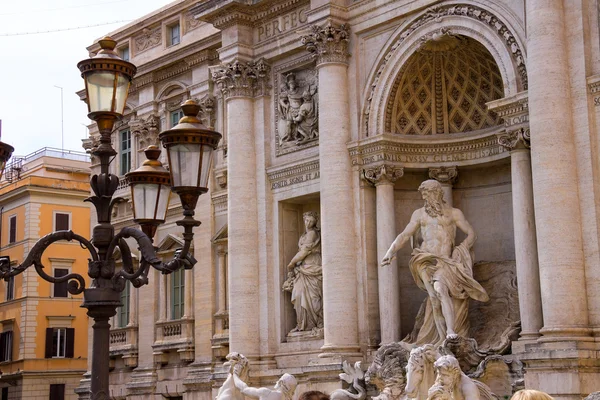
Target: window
x=62, y=221
x=5, y=393
x=124, y=53
x=60, y=289
x=125, y=151
x=6, y=344
x=12, y=229
x=175, y=117
x=173, y=32
x=57, y=392
x=177, y=293
x=60, y=342
x=123, y=311
x=10, y=288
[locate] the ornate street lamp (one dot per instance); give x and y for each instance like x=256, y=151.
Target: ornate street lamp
x=189, y=145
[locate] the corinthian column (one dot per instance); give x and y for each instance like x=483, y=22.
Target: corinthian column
x=329, y=45
x=238, y=81
x=554, y=168
x=526, y=254
x=384, y=177
x=446, y=177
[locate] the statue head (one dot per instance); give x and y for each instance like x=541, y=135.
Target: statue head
x=448, y=371
x=432, y=193
x=310, y=216
x=290, y=81
x=287, y=383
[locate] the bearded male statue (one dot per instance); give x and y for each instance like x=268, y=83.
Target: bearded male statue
x=439, y=267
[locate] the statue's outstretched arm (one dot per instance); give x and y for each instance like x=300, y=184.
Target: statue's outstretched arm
x=255, y=393
x=402, y=238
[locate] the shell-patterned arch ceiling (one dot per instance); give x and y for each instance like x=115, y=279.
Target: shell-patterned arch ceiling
x=443, y=88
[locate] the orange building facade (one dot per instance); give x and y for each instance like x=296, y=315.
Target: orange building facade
x=43, y=329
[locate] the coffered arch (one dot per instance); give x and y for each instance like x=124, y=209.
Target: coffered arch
x=470, y=22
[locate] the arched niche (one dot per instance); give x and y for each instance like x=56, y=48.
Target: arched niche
x=465, y=21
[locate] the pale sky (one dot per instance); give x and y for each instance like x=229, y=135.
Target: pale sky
x=31, y=65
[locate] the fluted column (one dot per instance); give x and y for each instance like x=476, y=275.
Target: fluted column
x=329, y=44
x=526, y=254
x=238, y=82
x=446, y=177
x=384, y=177
x=554, y=168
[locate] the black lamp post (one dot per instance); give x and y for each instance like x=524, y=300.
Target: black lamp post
x=189, y=145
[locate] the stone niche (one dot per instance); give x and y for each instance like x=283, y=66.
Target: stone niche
x=483, y=194
x=291, y=228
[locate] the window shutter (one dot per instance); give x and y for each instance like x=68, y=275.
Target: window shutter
x=70, y=349
x=12, y=234
x=49, y=335
x=61, y=222
x=60, y=289
x=9, y=345
x=3, y=346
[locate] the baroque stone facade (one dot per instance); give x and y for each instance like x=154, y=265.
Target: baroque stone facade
x=341, y=109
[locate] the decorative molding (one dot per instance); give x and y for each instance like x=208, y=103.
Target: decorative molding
x=190, y=22
x=444, y=174
x=285, y=176
x=146, y=130
x=383, y=174
x=328, y=43
x=149, y=38
x=240, y=78
x=221, y=178
x=593, y=83
x=220, y=203
x=424, y=154
x=207, y=112
x=435, y=15
x=517, y=139
x=513, y=110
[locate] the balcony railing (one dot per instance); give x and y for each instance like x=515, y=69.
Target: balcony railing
x=124, y=342
x=176, y=336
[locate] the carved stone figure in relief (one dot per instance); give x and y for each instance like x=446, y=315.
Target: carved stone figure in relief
x=305, y=278
x=297, y=112
x=238, y=367
x=451, y=383
x=284, y=389
x=440, y=268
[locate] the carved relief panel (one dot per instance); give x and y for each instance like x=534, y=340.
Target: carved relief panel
x=296, y=110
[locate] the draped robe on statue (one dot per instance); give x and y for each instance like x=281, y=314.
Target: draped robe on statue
x=456, y=274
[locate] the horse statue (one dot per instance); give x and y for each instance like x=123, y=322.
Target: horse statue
x=420, y=374
x=238, y=364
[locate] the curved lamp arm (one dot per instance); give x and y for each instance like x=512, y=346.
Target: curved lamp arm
x=76, y=282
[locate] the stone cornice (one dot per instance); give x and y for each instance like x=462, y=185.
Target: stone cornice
x=242, y=79
x=427, y=152
x=513, y=110
x=222, y=14
x=288, y=175
x=517, y=139
x=328, y=43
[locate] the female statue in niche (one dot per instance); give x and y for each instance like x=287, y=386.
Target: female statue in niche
x=305, y=277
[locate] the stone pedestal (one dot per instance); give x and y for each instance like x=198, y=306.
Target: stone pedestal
x=329, y=45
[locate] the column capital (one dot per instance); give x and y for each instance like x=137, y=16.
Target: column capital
x=222, y=249
x=517, y=139
x=383, y=174
x=242, y=78
x=444, y=174
x=328, y=43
